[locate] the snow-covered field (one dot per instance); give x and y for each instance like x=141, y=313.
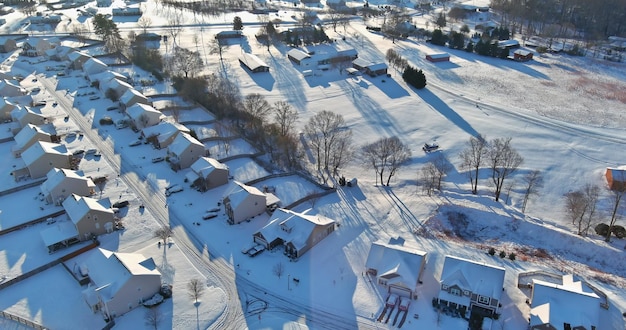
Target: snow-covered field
x=566, y=117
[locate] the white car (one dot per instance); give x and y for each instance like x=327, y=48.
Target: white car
x=135, y=143
x=174, y=189
x=158, y=159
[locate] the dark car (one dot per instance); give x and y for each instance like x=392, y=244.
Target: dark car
x=121, y=204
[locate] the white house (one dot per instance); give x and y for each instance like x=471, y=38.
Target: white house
x=90, y=217
x=119, y=282
x=41, y=157
x=569, y=305
x=297, y=232
x=143, y=115
x=163, y=134
x=6, y=107
x=397, y=268
x=93, y=66
x=133, y=96
x=77, y=59
x=9, y=88
x=207, y=173
x=184, y=151
x=61, y=183
x=27, y=136
x=243, y=203
x=468, y=285
x=119, y=86
x=102, y=78
x=25, y=115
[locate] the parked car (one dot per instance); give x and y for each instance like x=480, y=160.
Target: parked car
x=173, y=190
x=209, y=216
x=120, y=204
x=91, y=151
x=121, y=124
x=158, y=159
x=78, y=152
x=428, y=147
x=113, y=107
x=135, y=143
x=94, y=97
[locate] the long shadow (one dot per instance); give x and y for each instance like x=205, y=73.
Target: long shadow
x=264, y=80
x=288, y=83
x=440, y=106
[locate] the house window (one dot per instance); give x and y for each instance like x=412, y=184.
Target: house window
x=455, y=291
x=466, y=292
x=445, y=287
x=483, y=300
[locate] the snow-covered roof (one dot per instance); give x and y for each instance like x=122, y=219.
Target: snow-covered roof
x=58, y=175
x=252, y=61
x=77, y=207
x=182, y=143
x=136, y=110
x=58, y=232
x=299, y=226
x=205, y=165
x=522, y=52
x=105, y=76
x=27, y=133
x=298, y=54
x=116, y=84
x=479, y=278
x=109, y=271
x=570, y=302
x=8, y=88
x=6, y=105
x=94, y=65
x=241, y=192
x=130, y=94
x=399, y=263
x=75, y=55
x=438, y=55
x=41, y=148
x=164, y=128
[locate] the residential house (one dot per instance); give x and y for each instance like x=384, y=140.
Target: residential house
x=126, y=10
x=616, y=178
x=133, y=96
x=61, y=183
x=60, y=234
x=102, y=78
x=143, y=115
x=119, y=282
x=297, y=232
x=77, y=59
x=41, y=157
x=207, y=173
x=440, y=57
x=522, y=55
x=119, y=87
x=397, y=268
x=6, y=107
x=89, y=215
x=299, y=57
x=253, y=63
x=45, y=19
x=103, y=3
x=29, y=47
x=570, y=305
x=93, y=65
x=25, y=116
x=27, y=136
x=59, y=53
x=7, y=44
x=184, y=151
x=43, y=44
x=370, y=68
x=163, y=134
x=468, y=286
x=9, y=88
x=243, y=203
x=338, y=56
x=230, y=34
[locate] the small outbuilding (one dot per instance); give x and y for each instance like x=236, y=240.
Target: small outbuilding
x=370, y=68
x=439, y=57
x=253, y=63
x=299, y=57
x=230, y=34
x=616, y=178
x=522, y=55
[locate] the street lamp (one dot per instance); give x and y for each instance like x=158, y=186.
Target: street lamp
x=288, y=278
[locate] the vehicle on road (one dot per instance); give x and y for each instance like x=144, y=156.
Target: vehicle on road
x=158, y=159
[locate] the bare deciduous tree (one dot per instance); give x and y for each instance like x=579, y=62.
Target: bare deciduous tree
x=218, y=47
x=257, y=109
x=428, y=177
x=580, y=206
x=195, y=289
x=327, y=133
x=442, y=166
x=153, y=317
x=472, y=159
x=185, y=61
x=385, y=155
x=278, y=269
x=285, y=117
x=504, y=161
x=617, y=193
x=144, y=22
x=163, y=233
x=534, y=182
x=174, y=25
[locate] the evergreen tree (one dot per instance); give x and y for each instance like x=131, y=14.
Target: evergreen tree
x=470, y=47
x=237, y=23
x=441, y=20
x=438, y=38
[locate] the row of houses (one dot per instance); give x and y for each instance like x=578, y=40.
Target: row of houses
x=467, y=287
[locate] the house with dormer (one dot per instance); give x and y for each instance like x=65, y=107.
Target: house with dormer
x=569, y=305
x=207, y=173
x=119, y=282
x=27, y=136
x=243, y=203
x=468, y=286
x=41, y=157
x=90, y=216
x=397, y=268
x=296, y=232
x=61, y=183
x=143, y=115
x=184, y=151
